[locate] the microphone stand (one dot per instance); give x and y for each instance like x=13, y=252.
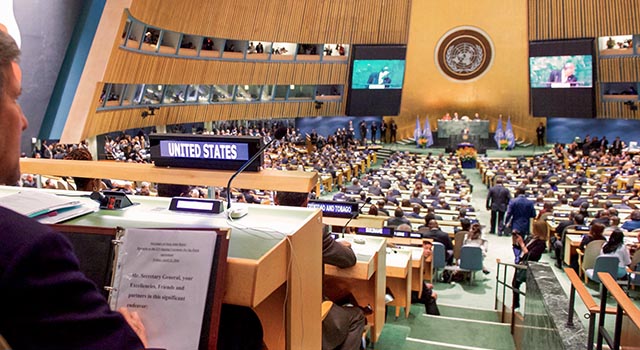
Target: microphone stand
x=280, y=133
x=353, y=216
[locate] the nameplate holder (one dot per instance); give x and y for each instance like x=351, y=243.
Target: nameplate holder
x=205, y=151
x=196, y=205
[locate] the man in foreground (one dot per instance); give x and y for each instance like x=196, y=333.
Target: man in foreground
x=46, y=302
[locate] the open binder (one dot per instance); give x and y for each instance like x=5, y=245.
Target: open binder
x=174, y=278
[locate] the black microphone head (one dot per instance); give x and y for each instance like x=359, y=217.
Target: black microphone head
x=280, y=133
x=368, y=200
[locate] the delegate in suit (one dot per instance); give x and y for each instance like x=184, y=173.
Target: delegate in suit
x=380, y=78
x=497, y=201
x=520, y=212
x=564, y=75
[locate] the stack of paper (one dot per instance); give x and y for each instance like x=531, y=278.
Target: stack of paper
x=45, y=207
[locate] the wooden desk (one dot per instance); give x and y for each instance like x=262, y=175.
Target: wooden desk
x=399, y=277
x=571, y=243
x=267, y=179
x=271, y=249
x=365, y=280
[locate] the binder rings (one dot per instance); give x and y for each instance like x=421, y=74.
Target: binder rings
x=174, y=278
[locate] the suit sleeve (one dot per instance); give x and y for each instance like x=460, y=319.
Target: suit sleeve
x=49, y=304
x=509, y=214
x=334, y=253
x=488, y=204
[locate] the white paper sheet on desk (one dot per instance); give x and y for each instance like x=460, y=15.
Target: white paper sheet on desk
x=62, y=215
x=34, y=203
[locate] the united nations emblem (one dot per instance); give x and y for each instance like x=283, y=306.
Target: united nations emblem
x=464, y=53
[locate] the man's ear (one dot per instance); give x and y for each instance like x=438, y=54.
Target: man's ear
x=3, y=28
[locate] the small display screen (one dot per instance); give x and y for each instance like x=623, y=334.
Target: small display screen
x=376, y=80
x=374, y=231
x=561, y=77
x=194, y=205
x=204, y=150
x=561, y=71
x=377, y=74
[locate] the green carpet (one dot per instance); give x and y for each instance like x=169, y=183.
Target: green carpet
x=455, y=328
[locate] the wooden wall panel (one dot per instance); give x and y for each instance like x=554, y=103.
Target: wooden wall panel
x=300, y=21
x=564, y=19
x=128, y=67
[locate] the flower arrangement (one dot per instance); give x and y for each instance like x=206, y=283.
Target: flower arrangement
x=504, y=143
x=467, y=153
x=422, y=142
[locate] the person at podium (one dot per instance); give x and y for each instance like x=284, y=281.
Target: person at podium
x=380, y=78
x=564, y=75
x=465, y=134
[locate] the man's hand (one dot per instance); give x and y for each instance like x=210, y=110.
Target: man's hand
x=134, y=321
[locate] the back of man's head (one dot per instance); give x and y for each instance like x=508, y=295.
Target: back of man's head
x=9, y=52
x=398, y=212
x=579, y=219
x=465, y=224
x=292, y=199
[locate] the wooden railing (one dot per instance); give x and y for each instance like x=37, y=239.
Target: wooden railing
x=268, y=179
x=625, y=307
x=589, y=303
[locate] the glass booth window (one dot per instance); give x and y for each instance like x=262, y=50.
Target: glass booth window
x=188, y=45
x=113, y=94
x=151, y=37
x=174, y=94
x=281, y=92
x=283, y=51
x=248, y=93
x=169, y=42
x=125, y=31
x=133, y=94
x=135, y=33
x=328, y=92
x=222, y=93
x=152, y=94
x=267, y=93
x=301, y=92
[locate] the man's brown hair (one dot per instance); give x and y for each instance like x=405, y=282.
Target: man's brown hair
x=9, y=52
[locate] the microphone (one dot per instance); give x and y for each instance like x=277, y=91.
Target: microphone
x=366, y=201
x=280, y=133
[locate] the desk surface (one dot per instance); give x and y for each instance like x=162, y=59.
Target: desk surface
x=248, y=241
x=259, y=258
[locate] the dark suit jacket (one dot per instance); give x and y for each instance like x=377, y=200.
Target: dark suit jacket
x=340, y=323
x=439, y=236
x=374, y=78
x=498, y=198
x=520, y=212
x=376, y=191
x=45, y=301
